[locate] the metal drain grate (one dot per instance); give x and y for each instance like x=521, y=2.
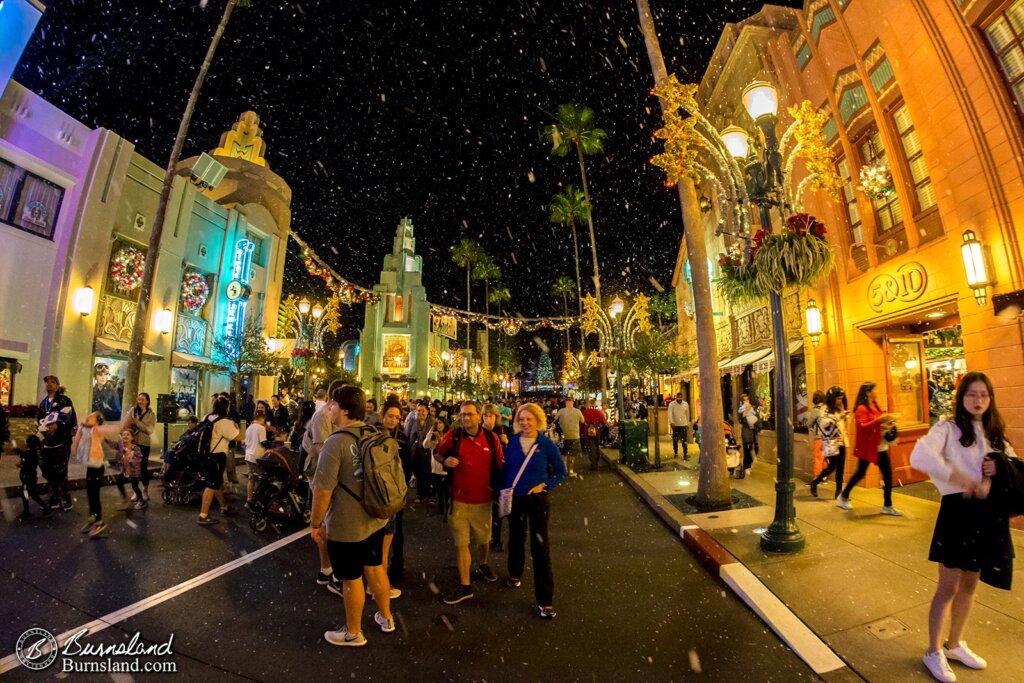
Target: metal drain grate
x=888, y=628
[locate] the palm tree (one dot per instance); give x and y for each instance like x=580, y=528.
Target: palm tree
x=563, y=287
x=141, y=326
x=465, y=254
x=567, y=207
x=713, y=484
x=574, y=129
x=486, y=269
x=499, y=296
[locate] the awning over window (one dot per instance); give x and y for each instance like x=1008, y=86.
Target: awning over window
x=112, y=347
x=769, y=361
x=737, y=364
x=188, y=360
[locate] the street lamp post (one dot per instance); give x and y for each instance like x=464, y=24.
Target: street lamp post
x=763, y=179
x=615, y=313
x=305, y=340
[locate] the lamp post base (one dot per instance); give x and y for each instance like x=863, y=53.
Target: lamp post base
x=783, y=536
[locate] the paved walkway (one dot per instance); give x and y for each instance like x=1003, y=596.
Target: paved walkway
x=863, y=583
x=633, y=605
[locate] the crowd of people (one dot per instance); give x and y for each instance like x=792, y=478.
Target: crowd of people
x=483, y=463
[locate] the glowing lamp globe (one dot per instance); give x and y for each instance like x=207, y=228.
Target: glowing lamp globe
x=760, y=98
x=736, y=141
x=615, y=310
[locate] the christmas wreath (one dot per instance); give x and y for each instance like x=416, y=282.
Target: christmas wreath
x=799, y=256
x=875, y=180
x=194, y=291
x=127, y=267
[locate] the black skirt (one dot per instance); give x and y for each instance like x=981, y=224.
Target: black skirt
x=971, y=534
x=958, y=541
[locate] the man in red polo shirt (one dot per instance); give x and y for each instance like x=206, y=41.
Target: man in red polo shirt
x=477, y=454
x=594, y=421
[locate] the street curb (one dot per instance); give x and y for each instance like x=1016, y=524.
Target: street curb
x=76, y=484
x=717, y=560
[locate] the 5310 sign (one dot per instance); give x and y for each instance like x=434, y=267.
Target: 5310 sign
x=906, y=284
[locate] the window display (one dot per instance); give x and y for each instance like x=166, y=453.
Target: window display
x=185, y=388
x=945, y=363
x=906, y=380
x=107, y=386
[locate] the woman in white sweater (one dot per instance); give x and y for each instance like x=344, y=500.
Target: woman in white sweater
x=953, y=454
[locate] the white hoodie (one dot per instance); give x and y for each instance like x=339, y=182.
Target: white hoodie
x=951, y=466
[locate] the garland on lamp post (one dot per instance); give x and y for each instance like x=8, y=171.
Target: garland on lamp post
x=799, y=256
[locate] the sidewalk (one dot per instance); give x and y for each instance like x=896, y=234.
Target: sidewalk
x=863, y=582
x=10, y=484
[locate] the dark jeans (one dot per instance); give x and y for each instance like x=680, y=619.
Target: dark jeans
x=397, y=567
x=534, y=510
x=442, y=489
x=145, y=464
x=93, y=481
x=862, y=467
x=749, y=449
x=30, y=489
x=836, y=463
x=424, y=477
x=496, y=524
x=121, y=479
x=678, y=435
x=592, y=449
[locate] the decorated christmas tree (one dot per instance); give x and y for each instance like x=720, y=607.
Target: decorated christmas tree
x=545, y=373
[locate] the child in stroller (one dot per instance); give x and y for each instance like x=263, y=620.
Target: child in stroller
x=280, y=489
x=183, y=468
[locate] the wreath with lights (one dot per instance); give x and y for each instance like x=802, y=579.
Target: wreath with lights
x=875, y=180
x=195, y=292
x=127, y=267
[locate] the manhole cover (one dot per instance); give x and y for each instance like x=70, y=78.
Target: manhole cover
x=888, y=628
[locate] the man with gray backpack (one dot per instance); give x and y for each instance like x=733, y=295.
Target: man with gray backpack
x=358, y=485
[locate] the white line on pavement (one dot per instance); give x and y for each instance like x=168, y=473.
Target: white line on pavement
x=12, y=662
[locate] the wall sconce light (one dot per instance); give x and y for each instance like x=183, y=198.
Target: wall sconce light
x=813, y=314
x=163, y=321
x=978, y=277
x=84, y=301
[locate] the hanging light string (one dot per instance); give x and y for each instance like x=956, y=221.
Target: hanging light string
x=350, y=293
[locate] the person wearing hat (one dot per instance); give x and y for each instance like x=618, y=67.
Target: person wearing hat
x=105, y=396
x=57, y=426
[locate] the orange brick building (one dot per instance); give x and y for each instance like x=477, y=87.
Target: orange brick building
x=934, y=90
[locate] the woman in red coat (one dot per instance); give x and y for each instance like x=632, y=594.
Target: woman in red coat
x=871, y=447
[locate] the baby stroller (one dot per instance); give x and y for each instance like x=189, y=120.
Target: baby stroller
x=733, y=456
x=280, y=491
x=183, y=478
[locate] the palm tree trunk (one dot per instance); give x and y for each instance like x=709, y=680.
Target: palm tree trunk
x=593, y=252
x=141, y=326
x=487, y=311
x=713, y=484
x=469, y=307
x=579, y=288
x=565, y=304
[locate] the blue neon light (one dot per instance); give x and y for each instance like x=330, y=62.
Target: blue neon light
x=239, y=271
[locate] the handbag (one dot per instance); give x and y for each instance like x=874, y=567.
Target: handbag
x=891, y=435
x=505, y=495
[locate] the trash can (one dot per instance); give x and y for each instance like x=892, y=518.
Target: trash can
x=634, y=444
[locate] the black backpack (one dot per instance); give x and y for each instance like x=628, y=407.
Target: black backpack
x=204, y=435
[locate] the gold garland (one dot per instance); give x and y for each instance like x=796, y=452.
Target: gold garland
x=591, y=314
x=809, y=134
x=678, y=160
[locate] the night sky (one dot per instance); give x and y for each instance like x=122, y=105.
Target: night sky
x=373, y=110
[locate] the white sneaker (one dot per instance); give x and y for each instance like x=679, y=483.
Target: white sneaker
x=345, y=639
x=938, y=667
x=386, y=625
x=964, y=655
x=844, y=503
x=891, y=511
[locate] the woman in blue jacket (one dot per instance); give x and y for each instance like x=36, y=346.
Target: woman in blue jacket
x=543, y=472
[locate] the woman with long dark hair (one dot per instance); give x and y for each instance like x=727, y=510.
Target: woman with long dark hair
x=142, y=421
x=871, y=447
x=953, y=453
x=831, y=425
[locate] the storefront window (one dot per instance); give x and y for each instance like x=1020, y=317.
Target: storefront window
x=5, y=383
x=185, y=388
x=906, y=380
x=945, y=363
x=107, y=386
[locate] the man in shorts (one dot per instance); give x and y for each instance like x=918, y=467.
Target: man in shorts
x=570, y=421
x=473, y=454
x=354, y=539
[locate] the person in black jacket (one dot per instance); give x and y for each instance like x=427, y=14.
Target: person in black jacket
x=58, y=413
